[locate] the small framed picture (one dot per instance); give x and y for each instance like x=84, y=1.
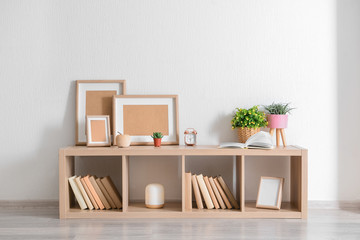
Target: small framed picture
x=98, y=130
x=270, y=192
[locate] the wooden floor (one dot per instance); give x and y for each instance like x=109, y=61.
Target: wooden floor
x=43, y=223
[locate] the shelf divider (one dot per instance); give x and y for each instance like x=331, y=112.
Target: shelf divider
x=125, y=182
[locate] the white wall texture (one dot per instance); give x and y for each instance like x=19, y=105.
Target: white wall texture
x=216, y=55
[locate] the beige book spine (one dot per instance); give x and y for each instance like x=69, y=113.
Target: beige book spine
x=99, y=192
x=205, y=192
x=105, y=192
x=83, y=193
x=188, y=192
x=87, y=190
x=93, y=192
x=228, y=193
x=114, y=194
x=222, y=193
x=217, y=193
x=77, y=193
x=197, y=194
x=211, y=192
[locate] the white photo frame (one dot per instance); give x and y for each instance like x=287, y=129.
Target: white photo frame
x=83, y=87
x=98, y=131
x=270, y=192
x=124, y=104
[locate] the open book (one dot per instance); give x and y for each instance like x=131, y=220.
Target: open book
x=259, y=140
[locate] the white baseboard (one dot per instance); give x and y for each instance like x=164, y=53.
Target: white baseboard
x=29, y=204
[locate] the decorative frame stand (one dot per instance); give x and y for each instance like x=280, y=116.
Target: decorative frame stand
x=141, y=115
x=94, y=97
x=270, y=192
x=98, y=131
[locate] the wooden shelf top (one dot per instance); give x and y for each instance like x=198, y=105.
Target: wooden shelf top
x=179, y=150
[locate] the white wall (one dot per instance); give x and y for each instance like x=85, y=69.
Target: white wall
x=216, y=55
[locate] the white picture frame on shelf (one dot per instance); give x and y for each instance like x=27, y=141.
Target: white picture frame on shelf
x=270, y=192
x=99, y=94
x=141, y=115
x=98, y=131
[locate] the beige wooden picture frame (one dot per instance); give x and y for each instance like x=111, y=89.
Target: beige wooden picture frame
x=98, y=131
x=141, y=115
x=270, y=192
x=94, y=97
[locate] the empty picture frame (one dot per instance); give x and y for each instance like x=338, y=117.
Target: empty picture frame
x=98, y=130
x=270, y=192
x=141, y=115
x=94, y=97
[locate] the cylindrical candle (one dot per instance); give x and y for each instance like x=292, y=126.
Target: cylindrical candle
x=154, y=195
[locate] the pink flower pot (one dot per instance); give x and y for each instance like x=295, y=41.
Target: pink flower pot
x=277, y=121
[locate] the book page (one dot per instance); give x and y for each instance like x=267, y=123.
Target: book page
x=260, y=140
x=232, y=145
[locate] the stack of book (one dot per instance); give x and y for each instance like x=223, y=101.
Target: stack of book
x=213, y=190
x=95, y=193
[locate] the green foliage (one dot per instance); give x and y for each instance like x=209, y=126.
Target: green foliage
x=250, y=118
x=278, y=108
x=157, y=135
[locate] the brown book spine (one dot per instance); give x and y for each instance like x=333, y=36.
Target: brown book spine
x=197, y=194
x=222, y=193
x=105, y=192
x=114, y=194
x=87, y=190
x=99, y=192
x=93, y=192
x=188, y=192
x=228, y=193
x=217, y=193
x=211, y=192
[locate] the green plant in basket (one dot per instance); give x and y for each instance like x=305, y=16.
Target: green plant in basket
x=248, y=118
x=157, y=135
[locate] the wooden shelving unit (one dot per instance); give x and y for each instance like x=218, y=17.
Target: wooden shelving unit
x=296, y=208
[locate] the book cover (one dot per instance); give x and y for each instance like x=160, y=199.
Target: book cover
x=197, y=194
x=77, y=193
x=105, y=192
x=99, y=192
x=113, y=192
x=87, y=190
x=204, y=191
x=83, y=193
x=211, y=192
x=93, y=192
x=228, y=193
x=222, y=193
x=188, y=192
x=217, y=193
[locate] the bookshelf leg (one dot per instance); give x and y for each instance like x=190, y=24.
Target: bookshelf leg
x=66, y=170
x=125, y=182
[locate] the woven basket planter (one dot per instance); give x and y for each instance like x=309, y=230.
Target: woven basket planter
x=245, y=133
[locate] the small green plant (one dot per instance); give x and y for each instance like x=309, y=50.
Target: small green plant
x=157, y=135
x=278, y=108
x=250, y=118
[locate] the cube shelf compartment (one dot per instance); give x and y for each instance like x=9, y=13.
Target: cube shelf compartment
x=296, y=208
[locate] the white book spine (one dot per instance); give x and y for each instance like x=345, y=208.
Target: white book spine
x=77, y=193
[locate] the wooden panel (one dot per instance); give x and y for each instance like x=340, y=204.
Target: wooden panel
x=240, y=184
x=125, y=182
x=98, y=131
x=140, y=120
x=183, y=200
x=304, y=183
x=295, y=181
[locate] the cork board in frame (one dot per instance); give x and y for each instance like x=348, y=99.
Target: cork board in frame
x=141, y=115
x=94, y=97
x=270, y=192
x=98, y=131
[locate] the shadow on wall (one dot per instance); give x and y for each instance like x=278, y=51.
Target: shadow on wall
x=348, y=65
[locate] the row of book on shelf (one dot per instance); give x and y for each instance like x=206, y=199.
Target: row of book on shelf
x=213, y=190
x=95, y=193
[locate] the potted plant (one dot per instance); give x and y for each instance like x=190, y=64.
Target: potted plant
x=277, y=115
x=157, y=136
x=248, y=122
